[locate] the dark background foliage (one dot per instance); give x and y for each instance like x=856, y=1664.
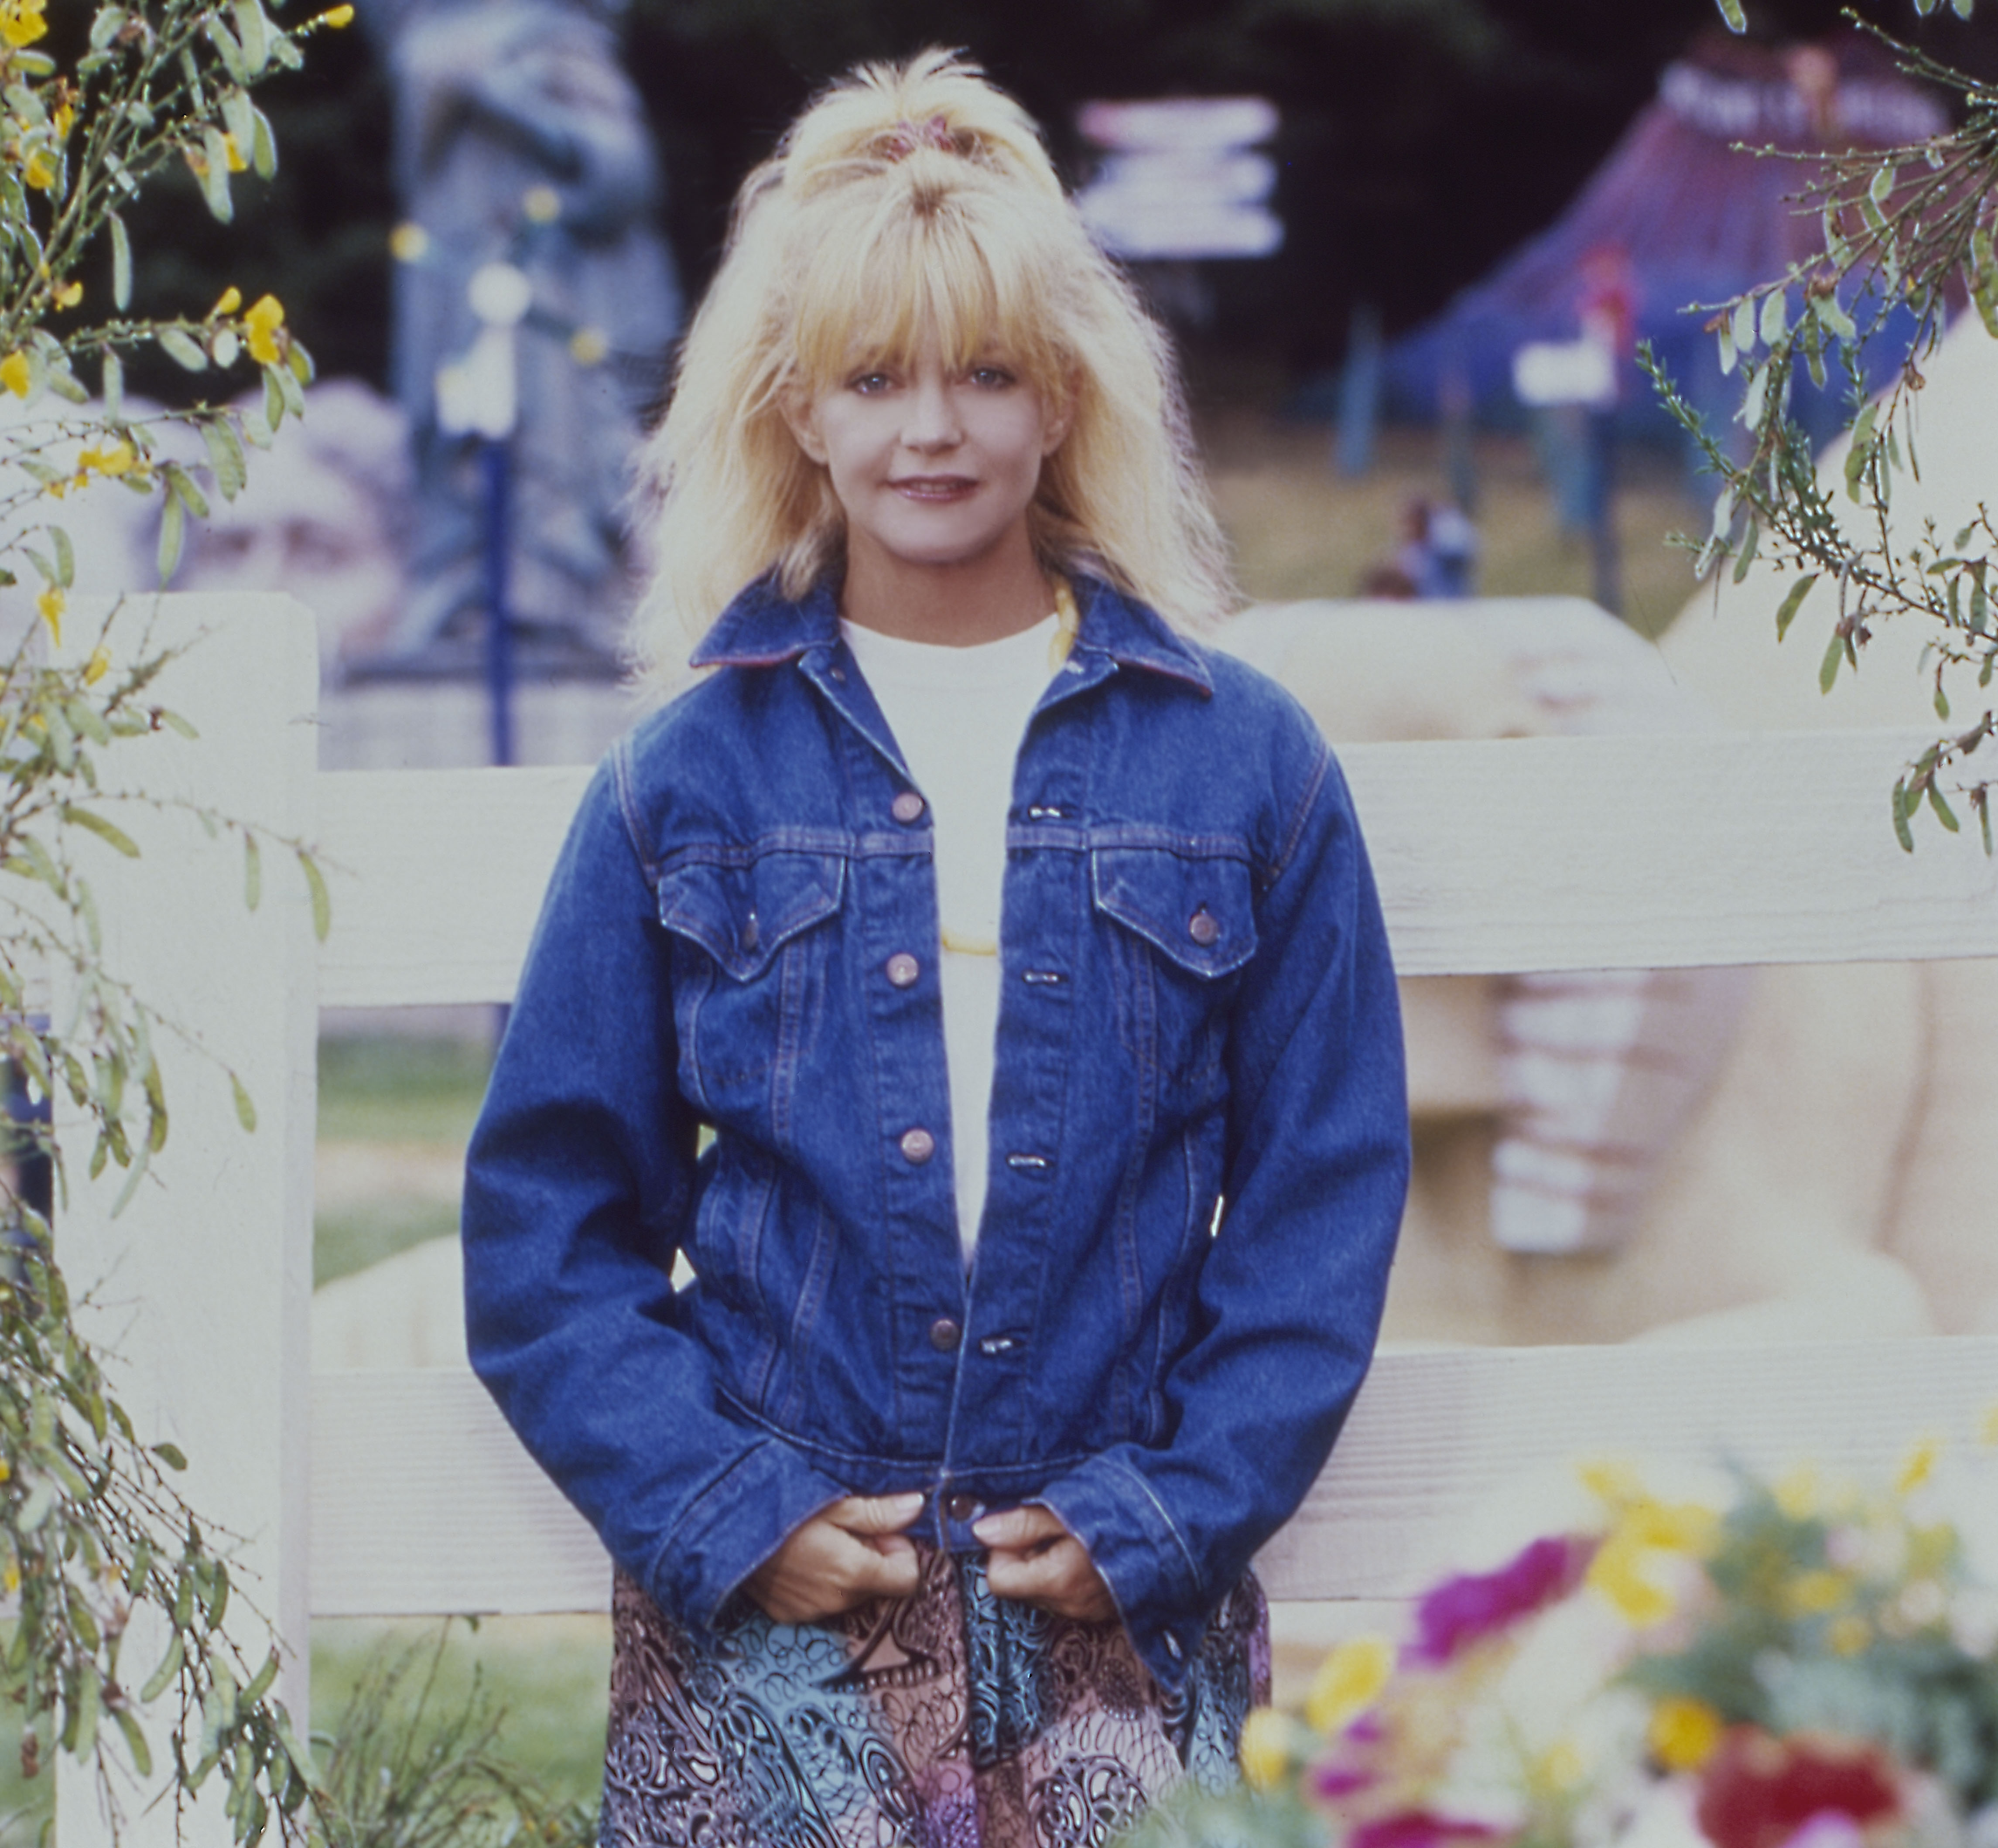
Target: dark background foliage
x=1421, y=138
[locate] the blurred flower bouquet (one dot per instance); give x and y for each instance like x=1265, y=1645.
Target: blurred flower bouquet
x=1786, y=1663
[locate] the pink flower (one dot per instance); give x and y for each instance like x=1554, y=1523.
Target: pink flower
x=1460, y=1610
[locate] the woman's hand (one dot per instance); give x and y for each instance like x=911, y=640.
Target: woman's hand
x=1035, y=1560
x=843, y=1556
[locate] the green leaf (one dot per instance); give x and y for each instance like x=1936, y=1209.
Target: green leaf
x=182, y=484
x=322, y=904
x=1786, y=612
x=261, y=1684
x=182, y=349
x=1984, y=820
x=1828, y=673
x=245, y=1111
x=1747, y=556
x=88, y=1707
x=103, y=829
x=1941, y=702
x=161, y=1678
x=65, y=557
x=1743, y=325
x=253, y=872
x=215, y=178
x=264, y=155
x=236, y=118
x=170, y=1454
x=181, y=727
x=255, y=31
x=225, y=457
x=1944, y=813
x=173, y=525
x=274, y=400
x=1730, y=11
x=113, y=388
x=1775, y=321
x=135, y=1740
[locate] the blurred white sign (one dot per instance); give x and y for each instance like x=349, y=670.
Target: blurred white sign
x=1178, y=179
x=1551, y=372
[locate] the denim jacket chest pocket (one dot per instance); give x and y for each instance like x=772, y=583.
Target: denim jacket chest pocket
x=749, y=958
x=1185, y=929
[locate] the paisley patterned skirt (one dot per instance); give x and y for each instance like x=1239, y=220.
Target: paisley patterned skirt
x=950, y=1719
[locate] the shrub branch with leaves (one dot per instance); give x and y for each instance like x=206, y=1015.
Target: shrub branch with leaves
x=1908, y=238
x=97, y=1544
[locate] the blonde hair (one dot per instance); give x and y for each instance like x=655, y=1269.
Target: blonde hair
x=911, y=198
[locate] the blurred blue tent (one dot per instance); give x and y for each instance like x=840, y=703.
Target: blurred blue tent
x=1678, y=213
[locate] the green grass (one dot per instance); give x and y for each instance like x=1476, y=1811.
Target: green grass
x=548, y=1678
x=390, y=1088
x=356, y=1237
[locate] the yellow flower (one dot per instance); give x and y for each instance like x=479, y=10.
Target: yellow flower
x=542, y=204
x=10, y=1580
x=14, y=373
x=261, y=326
x=336, y=17
x=1917, y=1466
x=94, y=670
x=1987, y=1426
x=21, y=21
x=1683, y=1733
x=117, y=460
x=237, y=160
x=408, y=242
x=1813, y=1594
x=1348, y=1682
x=40, y=171
x=1849, y=1635
x=1620, y=1569
x=6, y=1470
x=69, y=294
x=1611, y=1481
x=51, y=604
x=231, y=300
x=1266, y=1748
x=587, y=346
x=65, y=119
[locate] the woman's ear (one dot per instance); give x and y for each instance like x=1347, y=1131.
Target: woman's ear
x=797, y=411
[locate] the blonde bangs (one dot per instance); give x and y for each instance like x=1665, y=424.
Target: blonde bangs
x=953, y=264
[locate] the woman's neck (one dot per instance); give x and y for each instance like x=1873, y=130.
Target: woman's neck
x=959, y=605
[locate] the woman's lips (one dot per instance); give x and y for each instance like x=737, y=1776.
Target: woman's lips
x=933, y=487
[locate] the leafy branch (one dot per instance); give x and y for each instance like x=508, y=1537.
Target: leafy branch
x=1909, y=231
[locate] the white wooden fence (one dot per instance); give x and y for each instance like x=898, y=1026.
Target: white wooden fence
x=1546, y=854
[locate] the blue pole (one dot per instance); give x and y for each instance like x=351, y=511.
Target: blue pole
x=492, y=463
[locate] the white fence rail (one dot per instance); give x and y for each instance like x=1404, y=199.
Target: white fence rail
x=1581, y=853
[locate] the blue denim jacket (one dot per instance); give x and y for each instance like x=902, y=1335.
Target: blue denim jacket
x=1199, y=1128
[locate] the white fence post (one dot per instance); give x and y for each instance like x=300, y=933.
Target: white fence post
x=202, y=1286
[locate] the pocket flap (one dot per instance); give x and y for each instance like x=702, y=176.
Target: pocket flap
x=1199, y=912
x=743, y=914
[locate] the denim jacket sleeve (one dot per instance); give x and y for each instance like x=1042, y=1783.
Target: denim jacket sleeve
x=577, y=1189
x=1291, y=1294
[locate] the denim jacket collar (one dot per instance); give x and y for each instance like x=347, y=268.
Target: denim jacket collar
x=763, y=628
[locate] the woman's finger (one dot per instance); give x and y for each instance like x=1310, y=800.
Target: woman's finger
x=1016, y=1529
x=1060, y=1578
x=874, y=1514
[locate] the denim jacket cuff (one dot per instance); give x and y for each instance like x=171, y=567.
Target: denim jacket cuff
x=1143, y=1558
x=733, y=1526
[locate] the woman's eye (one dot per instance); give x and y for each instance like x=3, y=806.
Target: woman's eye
x=991, y=378
x=868, y=383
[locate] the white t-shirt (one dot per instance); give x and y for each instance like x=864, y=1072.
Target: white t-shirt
x=959, y=715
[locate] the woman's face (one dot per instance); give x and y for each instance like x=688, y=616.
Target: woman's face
x=932, y=466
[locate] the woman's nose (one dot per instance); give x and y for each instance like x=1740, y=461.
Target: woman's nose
x=932, y=421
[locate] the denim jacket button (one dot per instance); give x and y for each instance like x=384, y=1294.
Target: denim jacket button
x=1173, y=1646
x=918, y=1145
x=1204, y=927
x=903, y=968
x=945, y=1334
x=961, y=1506
x=906, y=807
